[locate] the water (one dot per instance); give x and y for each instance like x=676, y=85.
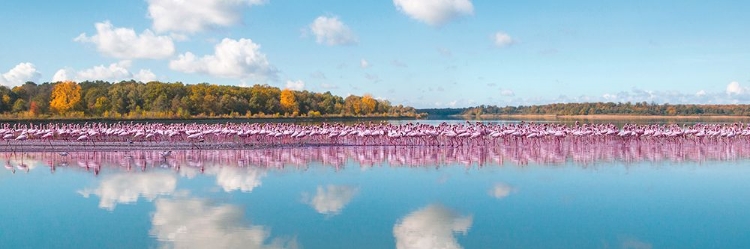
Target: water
x=369, y=197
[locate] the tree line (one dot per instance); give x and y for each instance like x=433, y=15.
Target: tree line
x=131, y=99
x=628, y=108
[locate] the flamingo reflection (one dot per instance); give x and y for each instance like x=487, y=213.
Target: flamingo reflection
x=540, y=153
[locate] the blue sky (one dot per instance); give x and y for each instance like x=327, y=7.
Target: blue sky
x=423, y=53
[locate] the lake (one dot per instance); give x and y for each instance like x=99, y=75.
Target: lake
x=374, y=197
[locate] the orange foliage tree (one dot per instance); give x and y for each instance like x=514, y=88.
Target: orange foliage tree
x=288, y=101
x=34, y=108
x=65, y=95
x=368, y=104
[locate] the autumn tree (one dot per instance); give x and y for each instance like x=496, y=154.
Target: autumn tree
x=33, y=108
x=19, y=105
x=368, y=104
x=65, y=95
x=288, y=101
x=101, y=98
x=101, y=105
x=353, y=105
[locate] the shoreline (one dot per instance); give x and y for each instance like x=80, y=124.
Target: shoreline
x=604, y=117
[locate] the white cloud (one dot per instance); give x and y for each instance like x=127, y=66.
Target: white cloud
x=736, y=93
x=507, y=92
x=237, y=59
x=62, y=75
x=193, y=16
x=733, y=93
x=332, y=199
x=127, y=188
x=435, y=12
x=144, y=75
x=20, y=74
x=431, y=227
x=114, y=72
x=501, y=190
x=735, y=88
x=196, y=223
x=502, y=40
x=364, y=63
x=297, y=85
x=328, y=86
x=124, y=43
x=331, y=31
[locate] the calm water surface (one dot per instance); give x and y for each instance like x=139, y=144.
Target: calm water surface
x=371, y=198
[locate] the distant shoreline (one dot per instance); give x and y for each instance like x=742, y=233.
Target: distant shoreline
x=602, y=117
x=602, y=110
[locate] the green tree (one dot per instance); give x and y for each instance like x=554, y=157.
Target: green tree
x=19, y=106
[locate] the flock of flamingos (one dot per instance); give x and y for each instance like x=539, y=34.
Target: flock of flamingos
x=160, y=136
x=276, y=145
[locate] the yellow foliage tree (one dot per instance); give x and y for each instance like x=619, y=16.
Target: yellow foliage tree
x=288, y=101
x=368, y=104
x=101, y=104
x=65, y=95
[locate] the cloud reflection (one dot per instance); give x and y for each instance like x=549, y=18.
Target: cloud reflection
x=433, y=226
x=197, y=223
x=127, y=188
x=634, y=243
x=233, y=178
x=332, y=199
x=501, y=190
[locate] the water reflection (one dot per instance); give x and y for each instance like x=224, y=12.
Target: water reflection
x=198, y=223
x=501, y=190
x=243, y=169
x=233, y=178
x=21, y=164
x=331, y=199
x=127, y=188
x=433, y=226
x=639, y=207
x=634, y=243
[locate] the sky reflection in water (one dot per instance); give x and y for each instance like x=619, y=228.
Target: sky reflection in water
x=379, y=197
